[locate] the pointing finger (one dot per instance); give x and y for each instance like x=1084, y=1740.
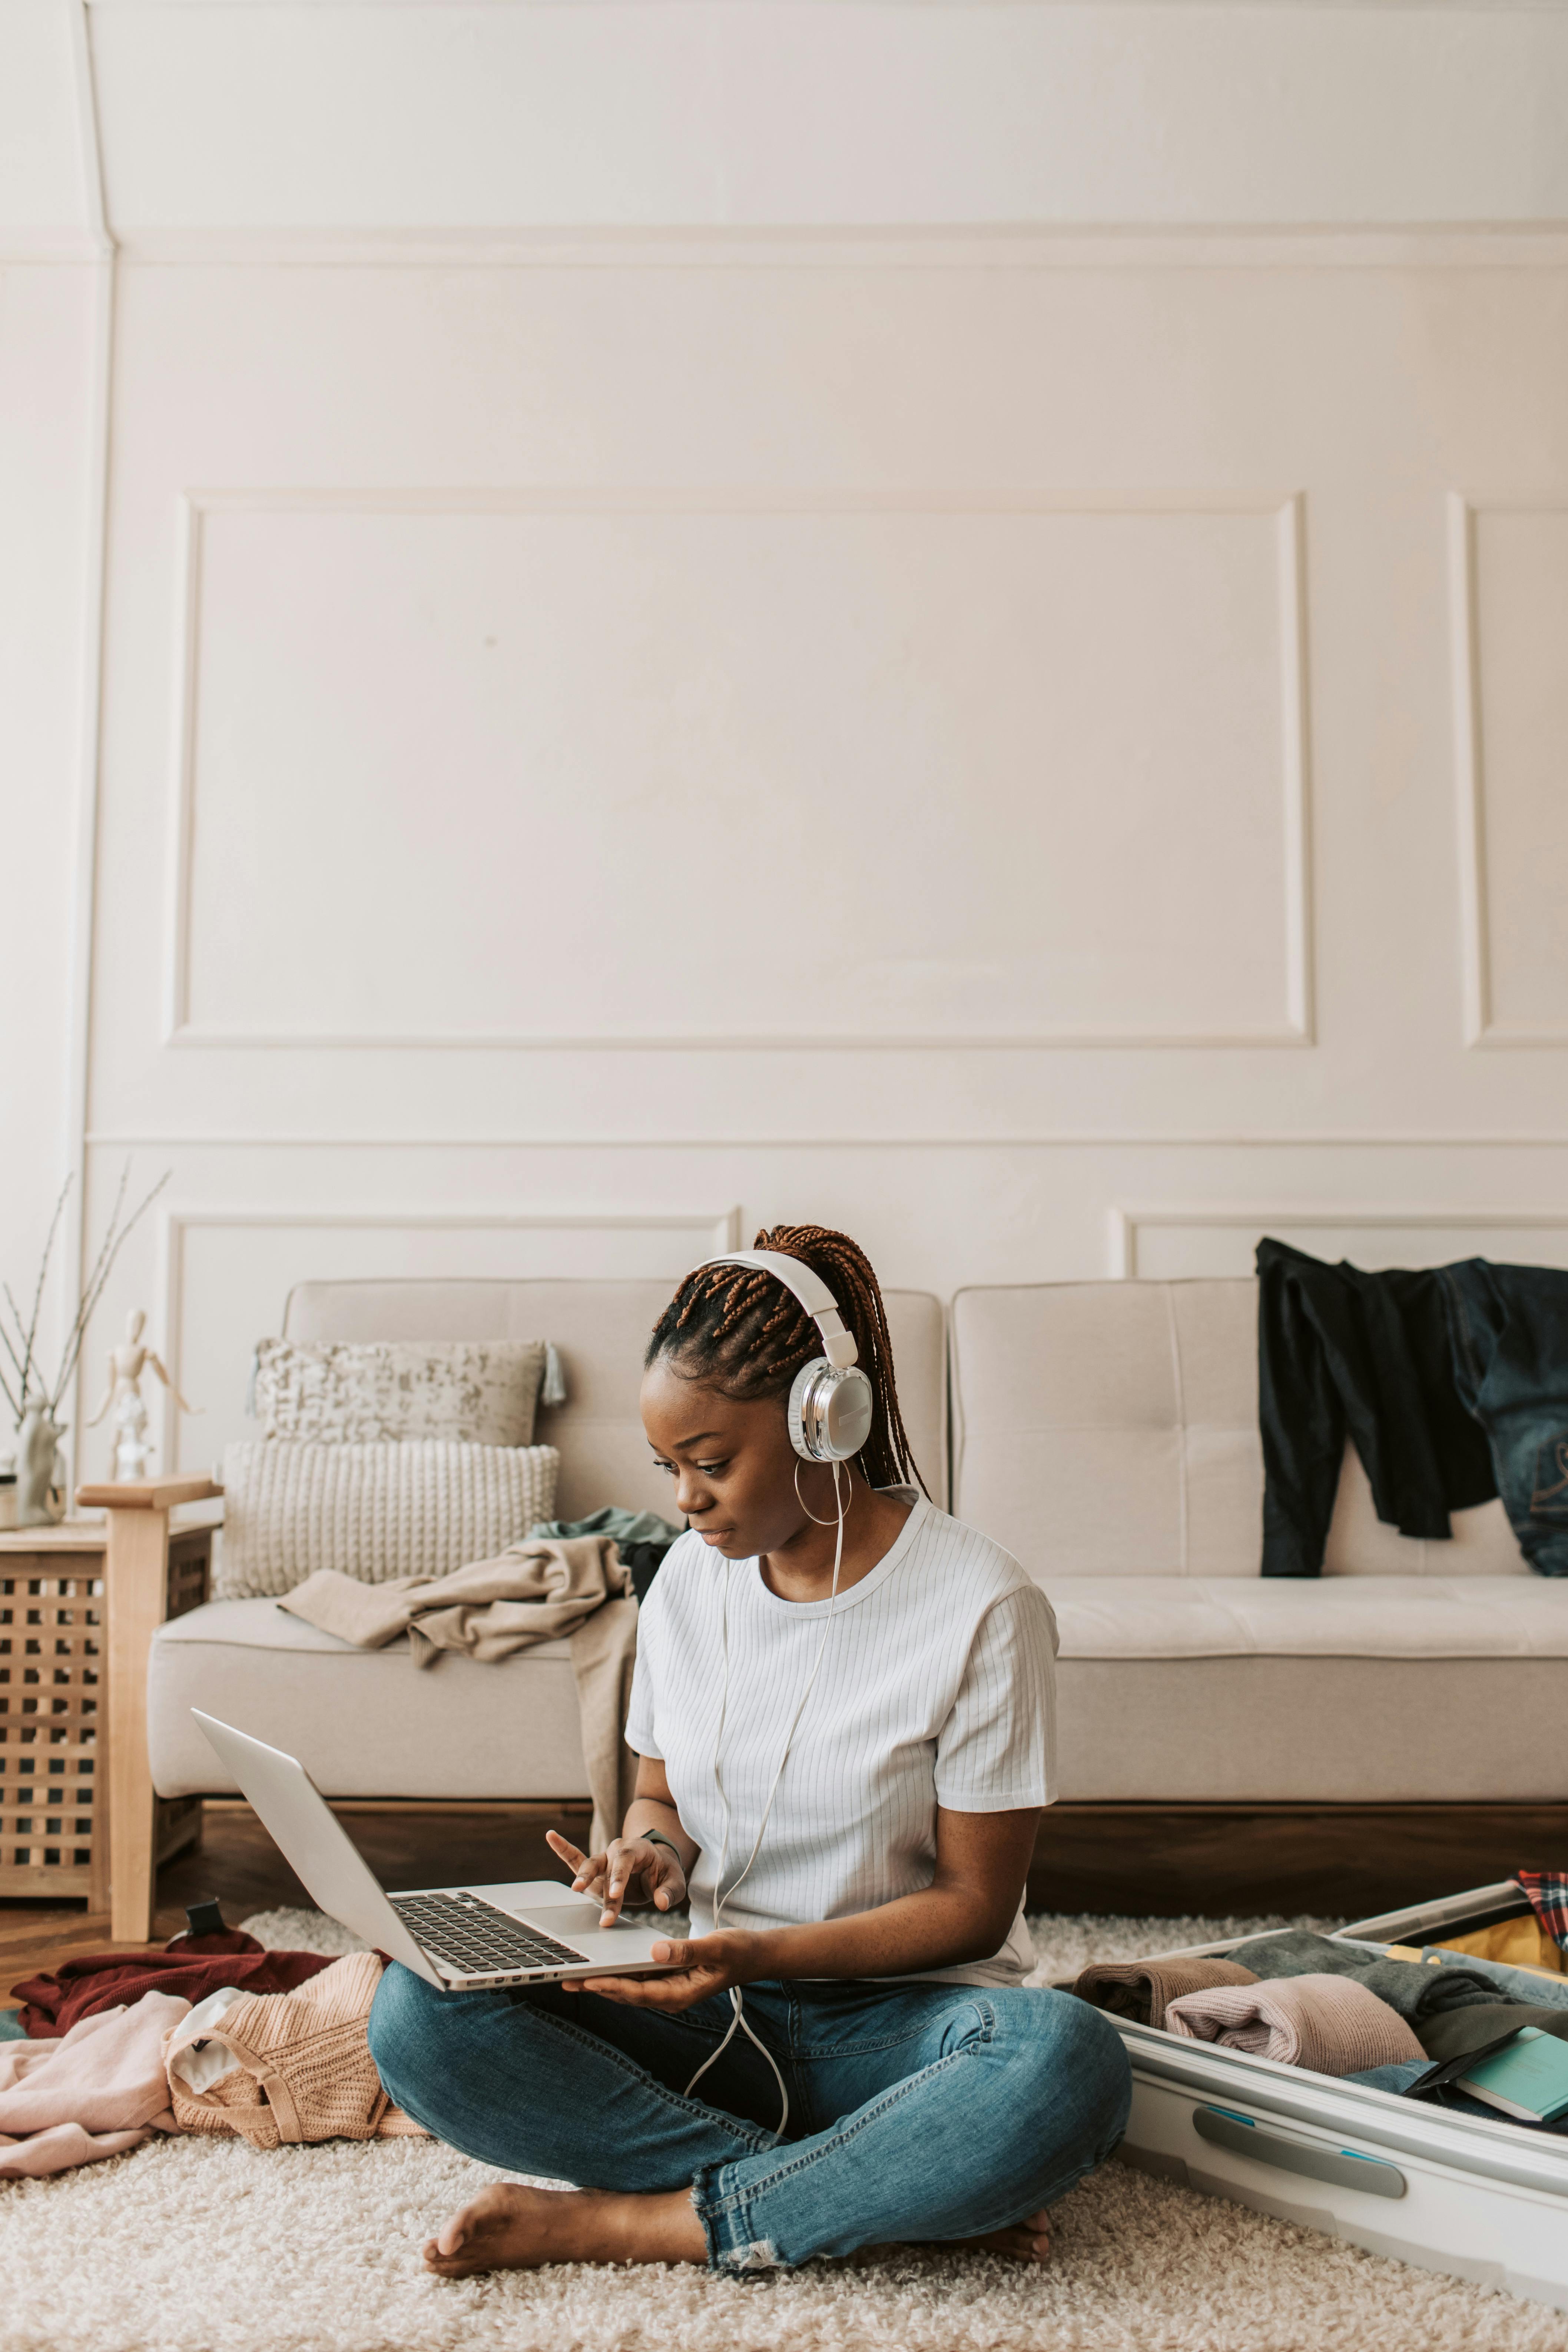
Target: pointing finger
x=575, y=1860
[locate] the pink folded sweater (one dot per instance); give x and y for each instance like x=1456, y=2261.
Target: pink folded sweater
x=88, y=2093
x=1331, y=2024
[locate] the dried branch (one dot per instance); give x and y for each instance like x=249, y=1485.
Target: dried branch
x=30, y=1330
x=113, y=1241
x=5, y=1340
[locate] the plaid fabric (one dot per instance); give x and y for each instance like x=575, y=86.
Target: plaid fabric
x=1548, y=1893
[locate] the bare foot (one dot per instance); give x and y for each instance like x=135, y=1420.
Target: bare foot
x=509, y=2228
x=1028, y=2241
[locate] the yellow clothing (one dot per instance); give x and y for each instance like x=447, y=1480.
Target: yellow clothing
x=1521, y=1943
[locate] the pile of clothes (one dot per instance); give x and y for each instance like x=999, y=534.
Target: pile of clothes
x=212, y=2034
x=1451, y=1379
x=1395, y=2016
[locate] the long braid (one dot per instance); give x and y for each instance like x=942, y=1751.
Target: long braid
x=739, y=1328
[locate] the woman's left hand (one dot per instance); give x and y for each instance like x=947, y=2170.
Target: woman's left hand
x=702, y=1965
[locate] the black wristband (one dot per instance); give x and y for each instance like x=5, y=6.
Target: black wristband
x=656, y=1837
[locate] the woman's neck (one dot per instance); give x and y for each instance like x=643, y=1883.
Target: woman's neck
x=801, y=1569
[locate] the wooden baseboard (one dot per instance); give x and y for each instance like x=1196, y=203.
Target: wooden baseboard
x=1347, y=1861
x=548, y=1810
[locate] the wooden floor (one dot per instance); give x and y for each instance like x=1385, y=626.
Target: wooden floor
x=1147, y=1860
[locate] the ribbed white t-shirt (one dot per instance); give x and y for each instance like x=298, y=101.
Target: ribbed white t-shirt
x=937, y=1687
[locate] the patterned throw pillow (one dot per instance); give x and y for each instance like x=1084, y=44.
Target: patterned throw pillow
x=373, y=1391
x=372, y=1511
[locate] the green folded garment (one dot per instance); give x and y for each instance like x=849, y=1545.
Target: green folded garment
x=622, y=1526
x=1418, y=1991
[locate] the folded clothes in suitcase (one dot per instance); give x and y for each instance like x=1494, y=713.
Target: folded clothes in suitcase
x=1469, y=2192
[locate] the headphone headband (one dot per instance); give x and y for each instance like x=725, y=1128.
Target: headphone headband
x=838, y=1344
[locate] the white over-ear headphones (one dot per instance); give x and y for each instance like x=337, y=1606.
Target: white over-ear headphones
x=831, y=1403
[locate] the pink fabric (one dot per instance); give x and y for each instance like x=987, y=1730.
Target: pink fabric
x=93, y=2092
x=1331, y=2024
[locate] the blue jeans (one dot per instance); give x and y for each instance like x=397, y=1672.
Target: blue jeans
x=917, y=2111
x=1509, y=1330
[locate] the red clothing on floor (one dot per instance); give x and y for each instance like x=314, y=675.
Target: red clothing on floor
x=193, y=1966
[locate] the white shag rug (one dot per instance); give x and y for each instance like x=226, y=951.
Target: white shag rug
x=197, y=2245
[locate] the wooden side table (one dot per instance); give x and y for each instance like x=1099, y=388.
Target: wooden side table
x=79, y=1606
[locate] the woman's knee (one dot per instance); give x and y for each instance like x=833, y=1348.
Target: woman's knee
x=1070, y=2053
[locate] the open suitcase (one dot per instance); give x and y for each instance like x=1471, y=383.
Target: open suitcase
x=1483, y=2200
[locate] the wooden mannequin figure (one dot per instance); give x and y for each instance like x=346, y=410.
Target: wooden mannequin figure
x=126, y=1364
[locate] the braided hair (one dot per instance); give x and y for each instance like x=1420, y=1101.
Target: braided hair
x=739, y=1330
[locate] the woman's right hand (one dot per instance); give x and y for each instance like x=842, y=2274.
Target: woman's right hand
x=627, y=1862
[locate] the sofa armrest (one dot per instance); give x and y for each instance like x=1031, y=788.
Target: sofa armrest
x=147, y=1495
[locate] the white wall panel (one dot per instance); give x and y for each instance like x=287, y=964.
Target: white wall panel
x=44, y=202
x=860, y=112
x=1018, y=773
x=46, y=330
x=1510, y=564
x=842, y=397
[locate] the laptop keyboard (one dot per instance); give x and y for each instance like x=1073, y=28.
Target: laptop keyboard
x=478, y=1938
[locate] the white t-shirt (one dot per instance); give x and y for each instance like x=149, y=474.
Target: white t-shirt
x=937, y=1687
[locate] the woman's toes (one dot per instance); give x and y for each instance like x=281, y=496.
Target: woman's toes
x=451, y=2236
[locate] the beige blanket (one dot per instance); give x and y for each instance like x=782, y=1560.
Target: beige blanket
x=533, y=1591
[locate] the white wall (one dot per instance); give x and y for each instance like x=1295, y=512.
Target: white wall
x=733, y=612
x=51, y=307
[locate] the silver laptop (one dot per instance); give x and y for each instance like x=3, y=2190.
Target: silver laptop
x=463, y=1938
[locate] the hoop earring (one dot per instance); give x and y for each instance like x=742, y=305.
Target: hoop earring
x=838, y=1515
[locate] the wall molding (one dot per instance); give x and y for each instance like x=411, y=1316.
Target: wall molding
x=137, y=1140
x=1022, y=246
x=1480, y=1028
x=1124, y=1224
x=1286, y=508
x=99, y=242
x=723, y=1227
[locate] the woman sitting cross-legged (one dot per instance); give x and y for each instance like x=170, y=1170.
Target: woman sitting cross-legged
x=843, y=1709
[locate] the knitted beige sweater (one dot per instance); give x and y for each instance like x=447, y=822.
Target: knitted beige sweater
x=302, y=2066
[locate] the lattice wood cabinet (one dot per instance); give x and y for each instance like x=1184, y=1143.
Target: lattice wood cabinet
x=54, y=1721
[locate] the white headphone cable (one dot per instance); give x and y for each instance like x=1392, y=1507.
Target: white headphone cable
x=841, y=1499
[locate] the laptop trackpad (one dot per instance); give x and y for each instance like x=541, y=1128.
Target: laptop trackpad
x=577, y=1924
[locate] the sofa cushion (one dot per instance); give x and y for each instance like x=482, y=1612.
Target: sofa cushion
x=1347, y=1617
x=389, y=1391
x=364, y=1723
x=372, y=1511
x=1110, y=1429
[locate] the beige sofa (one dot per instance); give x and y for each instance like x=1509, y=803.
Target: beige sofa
x=1106, y=1432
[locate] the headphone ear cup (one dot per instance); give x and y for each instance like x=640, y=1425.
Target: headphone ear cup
x=831, y=1409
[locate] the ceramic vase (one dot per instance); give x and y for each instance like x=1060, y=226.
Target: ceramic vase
x=38, y=1505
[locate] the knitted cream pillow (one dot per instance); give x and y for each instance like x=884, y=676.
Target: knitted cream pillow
x=372, y=1511
x=471, y=1392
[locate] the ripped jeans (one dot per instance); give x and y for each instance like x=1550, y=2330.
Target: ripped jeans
x=918, y=2111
